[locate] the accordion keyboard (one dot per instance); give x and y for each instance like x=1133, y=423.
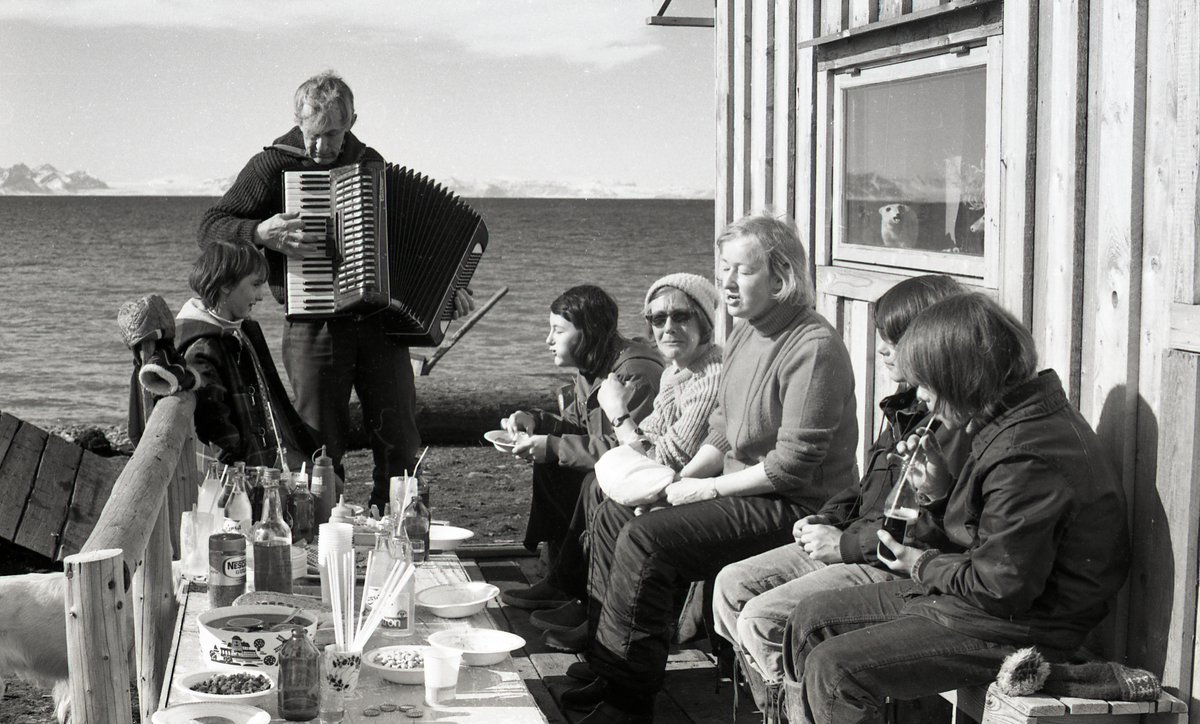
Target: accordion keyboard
x=310, y=280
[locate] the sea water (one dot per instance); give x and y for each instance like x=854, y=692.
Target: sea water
x=70, y=262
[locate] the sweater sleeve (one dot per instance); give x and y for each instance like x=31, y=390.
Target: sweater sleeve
x=815, y=382
x=254, y=196
x=684, y=436
x=1024, y=504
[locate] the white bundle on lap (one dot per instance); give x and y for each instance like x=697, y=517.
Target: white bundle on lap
x=630, y=478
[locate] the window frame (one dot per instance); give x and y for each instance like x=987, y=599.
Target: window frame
x=833, y=81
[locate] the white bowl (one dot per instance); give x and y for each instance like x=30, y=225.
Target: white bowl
x=503, y=440
x=389, y=673
x=252, y=649
x=198, y=710
x=185, y=684
x=457, y=600
x=447, y=537
x=479, y=646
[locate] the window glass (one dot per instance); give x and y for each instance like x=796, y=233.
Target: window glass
x=912, y=175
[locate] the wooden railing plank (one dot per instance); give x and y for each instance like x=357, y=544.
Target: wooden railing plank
x=8, y=428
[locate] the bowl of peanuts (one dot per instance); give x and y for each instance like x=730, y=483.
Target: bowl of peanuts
x=235, y=687
x=398, y=664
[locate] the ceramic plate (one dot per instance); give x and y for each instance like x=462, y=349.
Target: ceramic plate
x=447, y=537
x=211, y=712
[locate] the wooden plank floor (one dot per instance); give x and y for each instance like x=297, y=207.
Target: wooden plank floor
x=694, y=694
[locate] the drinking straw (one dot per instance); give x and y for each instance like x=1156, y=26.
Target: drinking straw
x=908, y=464
x=362, y=603
x=334, y=569
x=418, y=465
x=397, y=578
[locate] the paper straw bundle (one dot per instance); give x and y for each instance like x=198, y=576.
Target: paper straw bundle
x=335, y=547
x=397, y=578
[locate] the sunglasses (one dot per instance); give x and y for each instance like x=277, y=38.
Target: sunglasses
x=680, y=317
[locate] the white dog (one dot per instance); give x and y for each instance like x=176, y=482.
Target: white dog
x=33, y=634
x=898, y=227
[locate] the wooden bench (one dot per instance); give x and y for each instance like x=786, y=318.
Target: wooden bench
x=989, y=705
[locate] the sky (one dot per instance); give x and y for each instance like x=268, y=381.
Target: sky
x=527, y=90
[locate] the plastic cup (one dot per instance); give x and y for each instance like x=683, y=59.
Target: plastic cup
x=441, y=675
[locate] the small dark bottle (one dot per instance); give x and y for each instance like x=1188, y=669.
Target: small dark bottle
x=299, y=678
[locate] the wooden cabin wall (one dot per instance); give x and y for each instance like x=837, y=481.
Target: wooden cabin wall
x=1097, y=226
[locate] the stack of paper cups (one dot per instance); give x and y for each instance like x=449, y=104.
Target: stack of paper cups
x=332, y=539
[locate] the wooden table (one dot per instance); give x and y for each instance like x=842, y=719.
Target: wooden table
x=485, y=693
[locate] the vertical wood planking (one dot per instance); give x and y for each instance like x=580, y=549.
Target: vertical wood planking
x=1058, y=214
x=1186, y=249
x=18, y=473
x=925, y=4
x=784, y=91
x=834, y=16
x=741, y=111
x=46, y=511
x=860, y=342
x=805, y=125
x=889, y=9
x=863, y=12
x=758, y=110
x=724, y=121
x=1164, y=482
x=822, y=167
x=1018, y=144
x=1164, y=578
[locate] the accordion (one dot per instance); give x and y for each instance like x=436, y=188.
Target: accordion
x=391, y=244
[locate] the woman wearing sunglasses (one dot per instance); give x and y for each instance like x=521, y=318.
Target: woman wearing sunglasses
x=781, y=441
x=679, y=315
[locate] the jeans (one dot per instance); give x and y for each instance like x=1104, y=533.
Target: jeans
x=754, y=598
x=324, y=361
x=850, y=649
x=639, y=563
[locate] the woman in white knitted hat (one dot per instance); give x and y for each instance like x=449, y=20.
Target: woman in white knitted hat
x=679, y=311
x=679, y=316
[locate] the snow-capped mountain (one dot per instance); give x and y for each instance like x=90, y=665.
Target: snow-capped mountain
x=45, y=179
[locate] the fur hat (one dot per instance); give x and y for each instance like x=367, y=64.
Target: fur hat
x=702, y=291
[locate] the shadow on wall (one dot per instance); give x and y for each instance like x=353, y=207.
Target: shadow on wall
x=1150, y=589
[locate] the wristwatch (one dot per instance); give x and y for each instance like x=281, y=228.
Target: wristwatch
x=619, y=420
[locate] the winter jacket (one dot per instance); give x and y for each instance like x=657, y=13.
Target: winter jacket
x=859, y=509
x=257, y=195
x=581, y=432
x=231, y=414
x=1037, y=528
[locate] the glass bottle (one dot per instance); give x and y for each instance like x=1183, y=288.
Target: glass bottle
x=272, y=540
x=210, y=489
x=254, y=488
x=239, y=517
x=301, y=504
x=299, y=678
x=416, y=526
x=900, y=509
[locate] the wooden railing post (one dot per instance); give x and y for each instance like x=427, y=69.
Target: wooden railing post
x=136, y=520
x=97, y=638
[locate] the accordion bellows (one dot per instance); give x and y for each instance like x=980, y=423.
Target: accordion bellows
x=397, y=246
